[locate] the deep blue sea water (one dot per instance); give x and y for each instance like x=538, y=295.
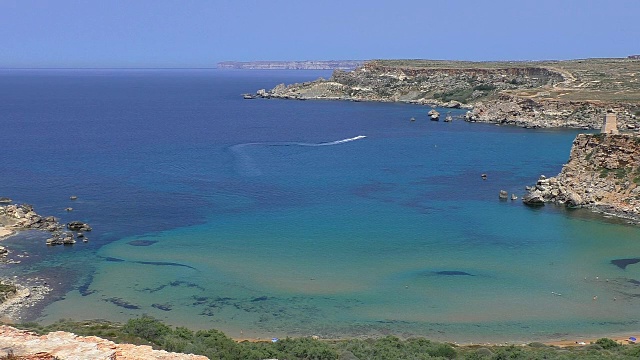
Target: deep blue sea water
x=254, y=217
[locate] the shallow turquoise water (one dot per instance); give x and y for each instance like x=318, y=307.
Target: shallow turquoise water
x=254, y=218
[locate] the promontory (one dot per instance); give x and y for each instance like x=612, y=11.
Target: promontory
x=569, y=93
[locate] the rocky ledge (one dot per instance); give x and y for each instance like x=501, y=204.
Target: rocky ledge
x=603, y=174
x=529, y=94
x=64, y=345
x=23, y=217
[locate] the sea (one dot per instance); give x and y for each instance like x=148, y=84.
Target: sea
x=271, y=218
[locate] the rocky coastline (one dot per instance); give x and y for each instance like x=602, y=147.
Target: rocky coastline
x=17, y=295
x=16, y=217
x=571, y=94
x=602, y=174
x=65, y=345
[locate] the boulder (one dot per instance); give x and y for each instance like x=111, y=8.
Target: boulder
x=574, y=200
x=534, y=198
x=78, y=226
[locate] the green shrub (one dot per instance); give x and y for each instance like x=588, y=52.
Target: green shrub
x=7, y=290
x=443, y=350
x=148, y=328
x=460, y=95
x=607, y=343
x=484, y=87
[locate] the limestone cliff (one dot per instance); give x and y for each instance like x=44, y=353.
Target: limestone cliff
x=529, y=94
x=64, y=345
x=603, y=173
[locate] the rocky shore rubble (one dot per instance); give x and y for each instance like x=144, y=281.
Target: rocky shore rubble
x=526, y=112
x=602, y=174
x=23, y=217
x=64, y=345
x=27, y=294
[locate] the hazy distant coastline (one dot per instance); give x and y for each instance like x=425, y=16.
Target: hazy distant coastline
x=292, y=65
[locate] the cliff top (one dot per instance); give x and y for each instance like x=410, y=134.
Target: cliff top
x=584, y=79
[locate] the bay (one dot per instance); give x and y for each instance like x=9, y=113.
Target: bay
x=273, y=218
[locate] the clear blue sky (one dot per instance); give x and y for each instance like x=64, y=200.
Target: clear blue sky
x=198, y=33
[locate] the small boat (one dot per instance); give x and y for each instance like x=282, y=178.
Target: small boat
x=248, y=96
x=448, y=118
x=412, y=119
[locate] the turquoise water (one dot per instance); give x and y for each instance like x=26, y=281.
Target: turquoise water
x=256, y=218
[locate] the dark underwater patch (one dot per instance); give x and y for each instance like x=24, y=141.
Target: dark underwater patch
x=122, y=303
x=163, y=263
x=623, y=263
x=163, y=307
x=452, y=273
x=186, y=284
x=112, y=259
x=141, y=242
x=84, y=288
x=261, y=298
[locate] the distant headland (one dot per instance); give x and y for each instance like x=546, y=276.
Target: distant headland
x=552, y=93
x=292, y=65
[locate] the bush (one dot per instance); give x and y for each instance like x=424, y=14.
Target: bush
x=607, y=343
x=460, y=95
x=443, y=350
x=147, y=328
x=484, y=87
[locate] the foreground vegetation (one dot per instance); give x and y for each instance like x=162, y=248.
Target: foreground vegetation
x=6, y=290
x=216, y=345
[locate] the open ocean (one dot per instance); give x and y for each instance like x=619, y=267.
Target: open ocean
x=273, y=218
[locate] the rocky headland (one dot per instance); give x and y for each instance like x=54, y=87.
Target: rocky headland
x=534, y=94
x=602, y=174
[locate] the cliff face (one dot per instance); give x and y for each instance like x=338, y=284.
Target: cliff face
x=64, y=345
x=528, y=94
x=603, y=173
x=291, y=65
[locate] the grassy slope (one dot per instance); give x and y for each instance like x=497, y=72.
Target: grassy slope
x=615, y=80
x=216, y=345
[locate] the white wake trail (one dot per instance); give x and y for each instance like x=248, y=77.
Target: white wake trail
x=246, y=166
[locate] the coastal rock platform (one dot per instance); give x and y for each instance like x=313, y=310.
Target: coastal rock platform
x=64, y=345
x=602, y=174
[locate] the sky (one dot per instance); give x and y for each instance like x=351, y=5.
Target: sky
x=199, y=33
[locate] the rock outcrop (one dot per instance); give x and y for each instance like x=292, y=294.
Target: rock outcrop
x=64, y=345
x=603, y=173
x=529, y=94
x=23, y=217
